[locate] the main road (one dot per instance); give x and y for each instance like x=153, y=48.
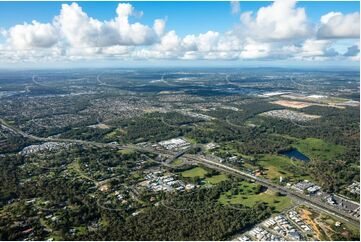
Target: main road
x=51, y=139
x=198, y=159
x=312, y=201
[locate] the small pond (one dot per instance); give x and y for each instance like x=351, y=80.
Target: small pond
x=295, y=154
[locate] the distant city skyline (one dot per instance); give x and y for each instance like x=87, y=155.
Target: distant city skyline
x=283, y=33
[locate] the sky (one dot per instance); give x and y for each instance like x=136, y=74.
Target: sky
x=120, y=34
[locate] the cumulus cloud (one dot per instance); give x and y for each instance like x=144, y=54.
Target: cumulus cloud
x=278, y=21
x=313, y=47
x=277, y=31
x=34, y=35
x=207, y=45
x=83, y=31
x=316, y=49
x=235, y=7
x=74, y=28
x=159, y=26
x=338, y=25
x=206, y=42
x=169, y=42
x=255, y=50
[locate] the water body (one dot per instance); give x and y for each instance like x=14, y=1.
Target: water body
x=294, y=153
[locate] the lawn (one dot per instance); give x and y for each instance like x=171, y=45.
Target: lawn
x=216, y=179
x=195, y=172
x=249, y=197
x=319, y=149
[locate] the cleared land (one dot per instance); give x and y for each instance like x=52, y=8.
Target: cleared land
x=325, y=226
x=319, y=149
x=99, y=126
x=320, y=100
x=177, y=162
x=195, y=172
x=292, y=104
x=216, y=179
x=276, y=166
x=290, y=115
x=126, y=151
x=249, y=194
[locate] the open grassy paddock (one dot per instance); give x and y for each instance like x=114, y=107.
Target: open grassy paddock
x=276, y=166
x=319, y=149
x=249, y=194
x=195, y=172
x=216, y=179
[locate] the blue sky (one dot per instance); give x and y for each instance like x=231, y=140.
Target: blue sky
x=181, y=15
x=185, y=18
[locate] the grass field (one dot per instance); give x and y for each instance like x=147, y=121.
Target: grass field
x=115, y=133
x=319, y=149
x=248, y=197
x=216, y=179
x=195, y=172
x=277, y=166
x=177, y=162
x=126, y=151
x=248, y=165
x=191, y=140
x=286, y=136
x=335, y=100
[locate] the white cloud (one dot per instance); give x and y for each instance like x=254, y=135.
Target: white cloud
x=74, y=28
x=203, y=46
x=159, y=26
x=313, y=47
x=338, y=25
x=325, y=18
x=34, y=35
x=83, y=31
x=316, y=49
x=207, y=42
x=278, y=31
x=169, y=41
x=255, y=50
x=279, y=21
x=235, y=7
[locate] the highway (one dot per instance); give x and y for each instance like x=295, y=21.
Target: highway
x=82, y=142
x=311, y=201
x=50, y=139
